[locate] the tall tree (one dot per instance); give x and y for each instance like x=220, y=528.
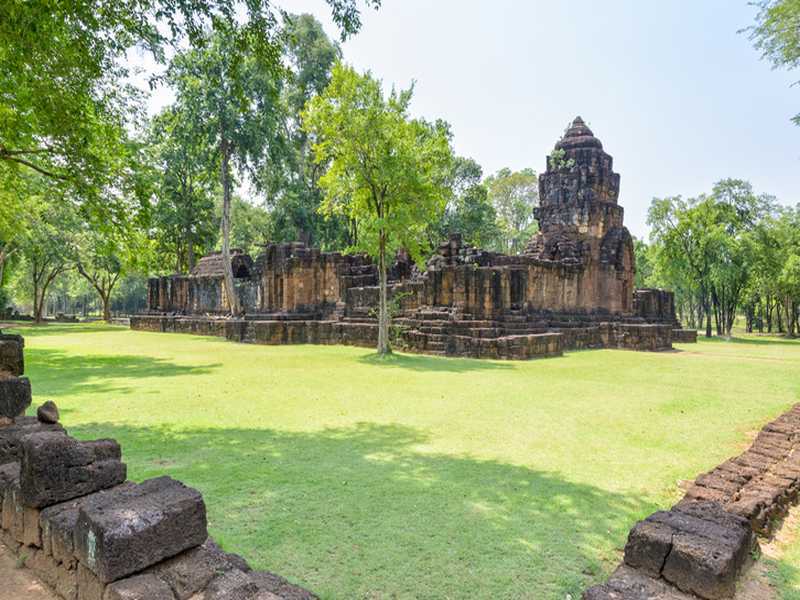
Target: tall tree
x=514, y=195
x=64, y=73
x=231, y=99
x=291, y=181
x=47, y=249
x=183, y=217
x=386, y=171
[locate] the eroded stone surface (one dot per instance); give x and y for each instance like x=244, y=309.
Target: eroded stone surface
x=56, y=467
x=118, y=534
x=15, y=396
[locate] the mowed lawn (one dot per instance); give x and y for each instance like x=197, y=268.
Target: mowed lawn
x=416, y=477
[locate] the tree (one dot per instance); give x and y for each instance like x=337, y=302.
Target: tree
x=468, y=211
x=102, y=258
x=644, y=266
x=386, y=171
x=251, y=226
x=231, y=102
x=777, y=33
x=291, y=180
x=65, y=102
x=183, y=216
x=47, y=250
x=514, y=194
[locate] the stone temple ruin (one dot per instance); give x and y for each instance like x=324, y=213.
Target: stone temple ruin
x=572, y=287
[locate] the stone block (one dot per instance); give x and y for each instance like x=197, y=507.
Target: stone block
x=279, y=586
x=190, y=572
x=32, y=533
x=15, y=395
x=627, y=583
x=58, y=524
x=11, y=354
x=233, y=585
x=89, y=585
x=118, y=534
x=11, y=436
x=139, y=587
x=647, y=547
x=56, y=467
x=63, y=581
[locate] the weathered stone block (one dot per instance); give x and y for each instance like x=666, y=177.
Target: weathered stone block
x=32, y=534
x=631, y=584
x=233, y=585
x=56, y=467
x=119, y=534
x=11, y=354
x=648, y=545
x=89, y=585
x=279, y=586
x=190, y=572
x=12, y=435
x=139, y=587
x=58, y=524
x=15, y=395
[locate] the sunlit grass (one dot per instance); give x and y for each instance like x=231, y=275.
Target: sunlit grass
x=416, y=476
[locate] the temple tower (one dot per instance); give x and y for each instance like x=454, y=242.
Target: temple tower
x=580, y=221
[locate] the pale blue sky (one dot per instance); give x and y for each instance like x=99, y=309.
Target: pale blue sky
x=677, y=96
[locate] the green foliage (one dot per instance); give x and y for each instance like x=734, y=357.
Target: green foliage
x=251, y=226
x=644, y=263
x=386, y=172
x=183, y=216
x=719, y=253
x=291, y=178
x=514, y=195
x=777, y=33
x=468, y=211
x=557, y=162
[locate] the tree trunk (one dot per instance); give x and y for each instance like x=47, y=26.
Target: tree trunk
x=230, y=290
x=106, y=299
x=189, y=252
x=383, y=308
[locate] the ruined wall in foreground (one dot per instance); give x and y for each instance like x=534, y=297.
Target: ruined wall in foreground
x=703, y=544
x=70, y=515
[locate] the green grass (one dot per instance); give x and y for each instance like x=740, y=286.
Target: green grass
x=416, y=477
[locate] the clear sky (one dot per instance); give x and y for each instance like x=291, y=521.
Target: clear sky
x=678, y=97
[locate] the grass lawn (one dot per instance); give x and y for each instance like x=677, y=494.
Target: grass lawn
x=416, y=477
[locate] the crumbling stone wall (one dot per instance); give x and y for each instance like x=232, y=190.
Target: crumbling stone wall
x=70, y=515
x=703, y=544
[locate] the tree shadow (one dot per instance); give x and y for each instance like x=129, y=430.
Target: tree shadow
x=365, y=512
x=754, y=341
x=420, y=362
x=29, y=329
x=57, y=373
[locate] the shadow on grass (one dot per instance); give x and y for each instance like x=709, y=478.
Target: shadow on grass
x=28, y=329
x=56, y=373
x=754, y=340
x=420, y=362
x=359, y=512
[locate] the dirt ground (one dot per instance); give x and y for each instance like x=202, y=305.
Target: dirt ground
x=19, y=584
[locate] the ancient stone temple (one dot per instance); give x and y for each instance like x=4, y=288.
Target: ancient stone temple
x=572, y=288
